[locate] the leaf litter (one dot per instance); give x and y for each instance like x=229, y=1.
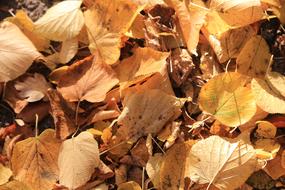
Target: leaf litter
x=143, y=94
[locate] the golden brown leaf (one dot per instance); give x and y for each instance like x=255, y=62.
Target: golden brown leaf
x=34, y=160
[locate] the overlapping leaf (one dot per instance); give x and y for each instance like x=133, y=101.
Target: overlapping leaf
x=17, y=52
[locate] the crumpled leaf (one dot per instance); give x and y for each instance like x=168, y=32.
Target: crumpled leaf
x=77, y=160
x=268, y=97
x=33, y=88
x=222, y=163
x=238, y=12
x=254, y=58
x=34, y=160
x=147, y=112
x=265, y=129
x=266, y=149
x=17, y=52
x=5, y=174
x=227, y=99
x=62, y=114
x=89, y=79
x=62, y=21
x=105, y=29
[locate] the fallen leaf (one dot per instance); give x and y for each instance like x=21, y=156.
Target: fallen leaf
x=89, y=79
x=61, y=22
x=5, y=174
x=277, y=82
x=17, y=52
x=131, y=185
x=15, y=185
x=227, y=99
x=62, y=114
x=222, y=163
x=274, y=168
x=23, y=21
x=77, y=160
x=267, y=98
x=147, y=112
x=105, y=29
x=33, y=88
x=238, y=12
x=68, y=50
x=153, y=167
x=34, y=160
x=266, y=149
x=254, y=58
x=266, y=129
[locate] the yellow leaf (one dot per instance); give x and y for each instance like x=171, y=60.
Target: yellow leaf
x=267, y=97
x=238, y=12
x=5, y=174
x=225, y=97
x=105, y=29
x=77, y=160
x=147, y=112
x=216, y=161
x=153, y=167
x=254, y=58
x=17, y=52
x=62, y=21
x=266, y=129
x=131, y=185
x=91, y=83
x=34, y=160
x=23, y=21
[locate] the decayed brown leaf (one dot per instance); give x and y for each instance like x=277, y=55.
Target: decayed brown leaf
x=147, y=112
x=17, y=52
x=89, y=79
x=34, y=160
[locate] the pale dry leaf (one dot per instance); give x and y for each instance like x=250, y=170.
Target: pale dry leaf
x=68, y=50
x=267, y=98
x=227, y=99
x=277, y=82
x=147, y=112
x=172, y=169
x=89, y=79
x=254, y=58
x=233, y=40
x=62, y=21
x=23, y=21
x=33, y=88
x=238, y=12
x=17, y=52
x=77, y=160
x=153, y=169
x=34, y=160
x=222, y=163
x=105, y=29
x=5, y=174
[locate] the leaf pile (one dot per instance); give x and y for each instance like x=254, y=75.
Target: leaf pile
x=143, y=94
